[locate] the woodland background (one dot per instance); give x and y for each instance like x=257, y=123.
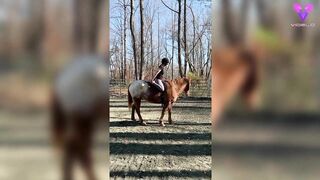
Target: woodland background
x=289, y=57
x=143, y=32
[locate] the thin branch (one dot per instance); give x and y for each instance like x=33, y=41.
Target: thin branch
x=169, y=7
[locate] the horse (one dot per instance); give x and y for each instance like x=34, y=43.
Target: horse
x=78, y=101
x=144, y=90
x=235, y=70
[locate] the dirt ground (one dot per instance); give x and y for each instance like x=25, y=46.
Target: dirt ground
x=178, y=151
x=242, y=149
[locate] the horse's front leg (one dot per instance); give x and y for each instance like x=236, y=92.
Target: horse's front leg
x=169, y=114
x=162, y=115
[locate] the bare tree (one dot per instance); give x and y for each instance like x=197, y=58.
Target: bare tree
x=194, y=34
x=179, y=41
x=179, y=32
x=141, y=39
x=228, y=23
x=266, y=14
x=172, y=41
x=175, y=43
x=124, y=39
x=151, y=40
x=35, y=29
x=235, y=32
x=185, y=37
x=158, y=38
x=86, y=23
x=208, y=63
x=243, y=20
x=132, y=30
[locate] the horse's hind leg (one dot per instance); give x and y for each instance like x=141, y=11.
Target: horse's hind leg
x=68, y=162
x=162, y=115
x=86, y=162
x=84, y=145
x=137, y=103
x=132, y=113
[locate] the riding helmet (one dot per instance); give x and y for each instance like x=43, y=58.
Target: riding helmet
x=165, y=61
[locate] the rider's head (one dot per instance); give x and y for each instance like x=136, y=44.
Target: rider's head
x=165, y=61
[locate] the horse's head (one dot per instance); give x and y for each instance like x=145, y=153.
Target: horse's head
x=235, y=71
x=187, y=81
x=180, y=85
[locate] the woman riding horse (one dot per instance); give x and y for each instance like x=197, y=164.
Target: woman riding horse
x=144, y=90
x=158, y=78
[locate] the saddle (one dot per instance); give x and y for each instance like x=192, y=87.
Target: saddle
x=168, y=90
x=165, y=84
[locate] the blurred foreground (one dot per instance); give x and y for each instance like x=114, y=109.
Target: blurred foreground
x=36, y=44
x=27, y=153
x=280, y=139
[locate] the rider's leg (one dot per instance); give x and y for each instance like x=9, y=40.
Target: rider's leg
x=162, y=97
x=159, y=84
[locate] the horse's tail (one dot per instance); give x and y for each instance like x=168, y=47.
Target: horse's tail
x=130, y=100
x=58, y=121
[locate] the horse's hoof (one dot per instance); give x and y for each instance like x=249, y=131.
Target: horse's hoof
x=143, y=123
x=170, y=122
x=133, y=120
x=162, y=124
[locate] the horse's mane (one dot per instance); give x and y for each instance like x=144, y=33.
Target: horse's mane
x=179, y=81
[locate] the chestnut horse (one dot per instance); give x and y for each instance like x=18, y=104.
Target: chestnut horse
x=235, y=71
x=145, y=90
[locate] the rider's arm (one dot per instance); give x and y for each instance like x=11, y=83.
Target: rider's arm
x=156, y=74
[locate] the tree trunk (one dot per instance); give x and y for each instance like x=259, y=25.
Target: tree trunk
x=194, y=35
x=228, y=22
x=201, y=59
x=125, y=39
x=36, y=30
x=121, y=52
x=179, y=40
x=243, y=21
x=141, y=39
x=185, y=38
x=158, y=39
x=132, y=30
x=172, y=37
x=151, y=44
x=208, y=60
x=86, y=24
x=265, y=14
